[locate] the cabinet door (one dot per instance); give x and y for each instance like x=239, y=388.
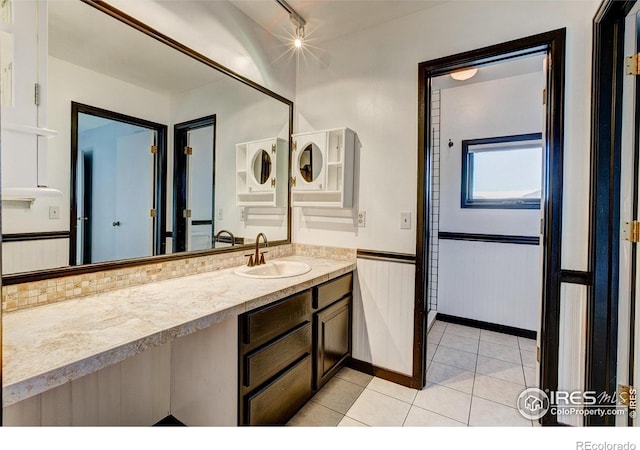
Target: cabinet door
x=309, y=162
x=261, y=166
x=333, y=340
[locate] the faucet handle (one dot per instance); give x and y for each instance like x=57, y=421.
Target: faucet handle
x=262, y=257
x=251, y=263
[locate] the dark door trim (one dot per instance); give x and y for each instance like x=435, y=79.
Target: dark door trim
x=160, y=174
x=180, y=179
x=553, y=43
x=87, y=205
x=604, y=221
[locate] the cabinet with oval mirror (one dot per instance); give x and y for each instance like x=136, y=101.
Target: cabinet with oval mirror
x=145, y=151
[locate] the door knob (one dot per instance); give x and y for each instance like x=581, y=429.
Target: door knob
x=83, y=218
x=116, y=223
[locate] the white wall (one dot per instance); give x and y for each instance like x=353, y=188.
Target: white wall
x=369, y=83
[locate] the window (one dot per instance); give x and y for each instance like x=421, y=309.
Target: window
x=502, y=172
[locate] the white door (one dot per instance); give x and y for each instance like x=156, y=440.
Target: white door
x=628, y=370
x=200, y=189
x=132, y=221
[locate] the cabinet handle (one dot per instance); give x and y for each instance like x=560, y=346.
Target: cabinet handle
x=116, y=223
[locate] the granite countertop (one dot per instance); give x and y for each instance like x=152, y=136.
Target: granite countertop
x=47, y=346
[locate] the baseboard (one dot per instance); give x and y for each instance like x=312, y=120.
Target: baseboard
x=487, y=326
x=169, y=421
x=385, y=374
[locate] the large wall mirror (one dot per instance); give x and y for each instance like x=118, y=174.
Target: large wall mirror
x=145, y=155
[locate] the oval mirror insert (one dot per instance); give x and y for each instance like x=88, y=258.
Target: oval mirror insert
x=310, y=162
x=262, y=166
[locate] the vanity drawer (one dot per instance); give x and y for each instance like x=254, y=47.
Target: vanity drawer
x=266, y=323
x=265, y=362
x=333, y=290
x=279, y=400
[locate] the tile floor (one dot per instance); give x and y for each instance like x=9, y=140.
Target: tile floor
x=473, y=379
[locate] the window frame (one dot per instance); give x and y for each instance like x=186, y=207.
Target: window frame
x=466, y=181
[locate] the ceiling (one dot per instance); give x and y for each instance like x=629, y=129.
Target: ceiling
x=329, y=19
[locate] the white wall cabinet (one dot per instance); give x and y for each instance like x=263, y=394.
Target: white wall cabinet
x=323, y=168
x=262, y=173
x=23, y=69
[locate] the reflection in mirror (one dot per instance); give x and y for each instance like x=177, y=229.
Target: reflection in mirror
x=261, y=166
x=310, y=162
x=182, y=199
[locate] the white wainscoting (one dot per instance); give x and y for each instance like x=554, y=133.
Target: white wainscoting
x=25, y=256
x=383, y=306
x=134, y=392
x=572, y=345
x=491, y=282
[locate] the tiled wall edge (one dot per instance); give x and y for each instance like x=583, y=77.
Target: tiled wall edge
x=27, y=295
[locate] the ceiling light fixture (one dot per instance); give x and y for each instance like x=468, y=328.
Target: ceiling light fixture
x=462, y=75
x=298, y=21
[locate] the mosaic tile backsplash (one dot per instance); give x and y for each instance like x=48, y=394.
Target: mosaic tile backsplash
x=27, y=295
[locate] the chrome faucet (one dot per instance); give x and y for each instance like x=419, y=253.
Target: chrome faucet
x=259, y=257
x=233, y=239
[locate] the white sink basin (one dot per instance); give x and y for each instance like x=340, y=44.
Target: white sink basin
x=274, y=269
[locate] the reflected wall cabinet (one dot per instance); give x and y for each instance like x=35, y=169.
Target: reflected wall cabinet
x=323, y=168
x=262, y=173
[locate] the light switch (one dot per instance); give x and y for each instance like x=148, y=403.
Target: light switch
x=405, y=220
x=243, y=215
x=219, y=216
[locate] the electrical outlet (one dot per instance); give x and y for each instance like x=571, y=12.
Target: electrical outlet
x=54, y=212
x=405, y=220
x=219, y=216
x=362, y=219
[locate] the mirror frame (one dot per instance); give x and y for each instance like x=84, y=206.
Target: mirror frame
x=38, y=275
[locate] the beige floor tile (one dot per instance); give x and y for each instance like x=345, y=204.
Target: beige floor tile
x=485, y=413
x=456, y=358
x=431, y=350
x=434, y=337
x=394, y=390
x=527, y=344
x=530, y=376
x=464, y=331
x=451, y=340
x=354, y=376
x=499, y=351
x=500, y=369
x=451, y=377
x=349, y=422
x=496, y=390
x=338, y=395
x=499, y=338
x=419, y=417
x=315, y=415
x=444, y=401
x=438, y=325
x=375, y=409
x=528, y=358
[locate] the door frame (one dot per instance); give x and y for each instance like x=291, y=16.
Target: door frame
x=159, y=175
x=87, y=207
x=180, y=179
x=554, y=42
x=604, y=214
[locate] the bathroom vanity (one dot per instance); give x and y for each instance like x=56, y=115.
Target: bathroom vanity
x=210, y=349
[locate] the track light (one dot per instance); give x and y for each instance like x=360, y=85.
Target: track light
x=298, y=21
x=299, y=37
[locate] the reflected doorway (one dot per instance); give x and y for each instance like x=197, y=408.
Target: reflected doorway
x=115, y=192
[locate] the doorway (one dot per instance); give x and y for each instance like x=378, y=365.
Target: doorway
x=194, y=213
x=117, y=206
x=552, y=46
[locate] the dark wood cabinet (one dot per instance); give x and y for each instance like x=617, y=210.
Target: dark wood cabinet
x=332, y=303
x=289, y=349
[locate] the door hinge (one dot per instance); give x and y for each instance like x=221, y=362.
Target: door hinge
x=631, y=231
x=293, y=181
x=633, y=64
x=188, y=151
x=627, y=395
x=295, y=145
x=153, y=212
x=544, y=96
x=538, y=355
x=273, y=148
x=154, y=149
x=186, y=213
x=273, y=182
x=36, y=94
